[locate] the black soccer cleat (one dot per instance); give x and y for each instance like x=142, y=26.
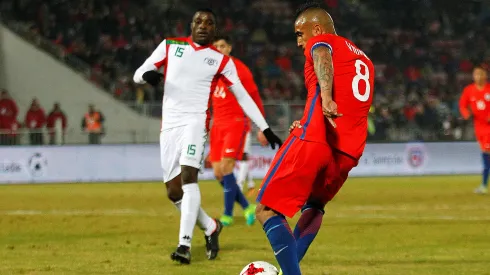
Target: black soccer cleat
x=182, y=255
x=212, y=241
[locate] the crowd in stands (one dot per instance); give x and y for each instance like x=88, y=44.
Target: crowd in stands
x=34, y=124
x=423, y=51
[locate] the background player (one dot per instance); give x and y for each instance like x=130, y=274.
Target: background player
x=244, y=172
x=318, y=155
x=475, y=101
x=228, y=134
x=192, y=68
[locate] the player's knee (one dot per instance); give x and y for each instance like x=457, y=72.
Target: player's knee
x=315, y=203
x=189, y=174
x=263, y=213
x=245, y=157
x=174, y=191
x=227, y=166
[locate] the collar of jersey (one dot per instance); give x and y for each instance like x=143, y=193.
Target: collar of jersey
x=196, y=46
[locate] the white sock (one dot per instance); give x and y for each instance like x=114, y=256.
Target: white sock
x=251, y=182
x=191, y=201
x=204, y=221
x=242, y=173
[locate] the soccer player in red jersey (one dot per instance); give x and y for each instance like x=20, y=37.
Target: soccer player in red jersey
x=228, y=135
x=475, y=101
x=314, y=162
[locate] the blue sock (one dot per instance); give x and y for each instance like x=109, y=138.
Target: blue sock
x=486, y=168
x=307, y=228
x=283, y=243
x=230, y=188
x=240, y=198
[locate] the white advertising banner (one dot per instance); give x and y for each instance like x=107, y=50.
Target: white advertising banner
x=136, y=162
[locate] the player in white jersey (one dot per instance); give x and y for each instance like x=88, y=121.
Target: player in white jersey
x=191, y=70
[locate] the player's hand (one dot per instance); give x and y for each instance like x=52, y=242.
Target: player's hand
x=329, y=109
x=152, y=77
x=262, y=139
x=272, y=138
x=296, y=124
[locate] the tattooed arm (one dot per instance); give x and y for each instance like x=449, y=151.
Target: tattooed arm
x=322, y=62
x=323, y=65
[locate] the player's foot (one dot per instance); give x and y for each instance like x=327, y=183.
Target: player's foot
x=250, y=214
x=481, y=190
x=251, y=192
x=226, y=220
x=212, y=241
x=182, y=255
x=280, y=272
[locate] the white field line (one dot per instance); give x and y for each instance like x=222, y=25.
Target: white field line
x=341, y=213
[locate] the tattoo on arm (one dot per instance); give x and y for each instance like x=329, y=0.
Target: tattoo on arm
x=322, y=63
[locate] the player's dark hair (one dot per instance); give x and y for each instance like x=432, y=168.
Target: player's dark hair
x=306, y=6
x=208, y=10
x=481, y=67
x=224, y=37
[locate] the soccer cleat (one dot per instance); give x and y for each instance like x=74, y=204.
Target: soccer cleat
x=226, y=220
x=250, y=214
x=280, y=272
x=182, y=255
x=212, y=241
x=481, y=190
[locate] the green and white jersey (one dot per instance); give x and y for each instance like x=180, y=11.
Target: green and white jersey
x=191, y=73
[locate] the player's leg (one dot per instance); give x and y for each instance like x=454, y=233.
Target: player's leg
x=191, y=158
x=284, y=191
x=325, y=188
x=244, y=169
x=234, y=142
x=484, y=142
x=175, y=193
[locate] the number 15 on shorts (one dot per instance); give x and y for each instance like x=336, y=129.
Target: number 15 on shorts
x=191, y=150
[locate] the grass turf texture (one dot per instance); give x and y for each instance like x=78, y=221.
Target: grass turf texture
x=421, y=225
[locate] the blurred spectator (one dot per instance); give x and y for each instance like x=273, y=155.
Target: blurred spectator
x=35, y=121
x=56, y=125
x=93, y=125
x=9, y=131
x=8, y=107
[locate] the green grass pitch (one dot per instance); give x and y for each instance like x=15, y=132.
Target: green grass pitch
x=419, y=225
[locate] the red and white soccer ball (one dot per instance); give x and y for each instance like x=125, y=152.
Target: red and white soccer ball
x=259, y=268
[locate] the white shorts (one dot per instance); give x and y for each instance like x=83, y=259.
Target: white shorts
x=248, y=143
x=182, y=145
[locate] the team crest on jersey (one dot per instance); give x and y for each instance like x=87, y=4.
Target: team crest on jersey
x=487, y=97
x=211, y=61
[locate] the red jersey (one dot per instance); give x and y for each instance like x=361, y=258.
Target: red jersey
x=35, y=119
x=225, y=106
x=478, y=102
x=353, y=87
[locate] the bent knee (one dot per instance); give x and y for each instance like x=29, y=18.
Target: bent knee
x=227, y=166
x=263, y=213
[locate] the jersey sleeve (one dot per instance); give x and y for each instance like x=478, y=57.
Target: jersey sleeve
x=248, y=82
x=318, y=41
x=229, y=76
x=152, y=63
x=463, y=104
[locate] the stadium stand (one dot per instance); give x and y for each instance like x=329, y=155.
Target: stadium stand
x=422, y=59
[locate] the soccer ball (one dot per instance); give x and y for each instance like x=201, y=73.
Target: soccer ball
x=259, y=268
